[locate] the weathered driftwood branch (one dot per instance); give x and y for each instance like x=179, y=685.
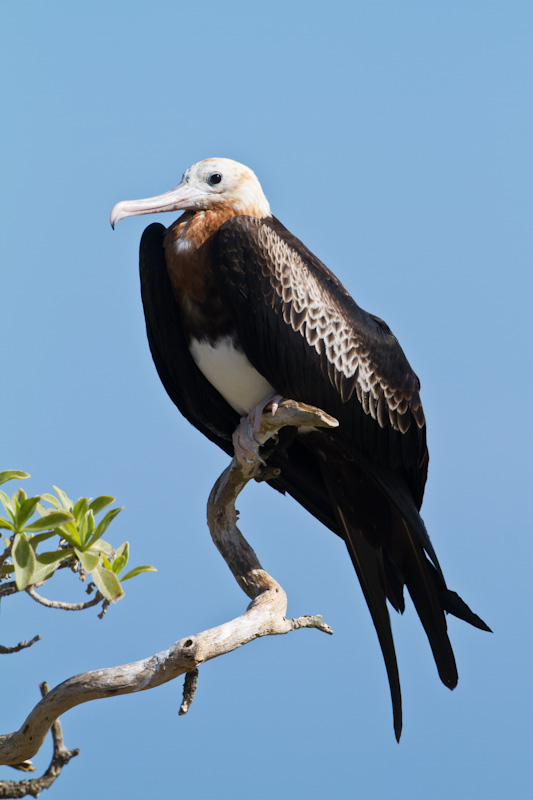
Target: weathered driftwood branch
x=265, y=615
x=60, y=757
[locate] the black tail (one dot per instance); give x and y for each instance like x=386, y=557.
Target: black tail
x=370, y=571
x=387, y=542
x=387, y=555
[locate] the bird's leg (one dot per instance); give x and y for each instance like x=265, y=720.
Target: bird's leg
x=245, y=442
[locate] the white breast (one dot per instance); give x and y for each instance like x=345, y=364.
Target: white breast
x=229, y=371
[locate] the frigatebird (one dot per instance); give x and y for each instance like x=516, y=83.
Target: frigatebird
x=239, y=313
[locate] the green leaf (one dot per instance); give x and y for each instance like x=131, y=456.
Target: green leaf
x=104, y=524
x=4, y=523
x=69, y=532
x=19, y=496
x=107, y=583
x=101, y=502
x=137, y=571
x=118, y=565
x=88, y=559
x=123, y=550
x=86, y=527
x=50, y=521
x=47, y=563
x=65, y=499
x=25, y=511
x=8, y=505
x=7, y=569
x=24, y=561
x=101, y=546
x=15, y=505
x=55, y=556
x=42, y=572
x=11, y=474
x=80, y=509
x=121, y=558
x=51, y=499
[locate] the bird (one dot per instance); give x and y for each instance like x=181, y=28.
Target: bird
x=239, y=314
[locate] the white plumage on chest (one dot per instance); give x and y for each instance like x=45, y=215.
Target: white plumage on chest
x=229, y=371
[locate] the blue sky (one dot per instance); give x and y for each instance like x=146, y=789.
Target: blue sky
x=394, y=139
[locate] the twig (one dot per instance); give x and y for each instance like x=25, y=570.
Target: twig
x=265, y=615
x=189, y=690
x=20, y=646
x=44, y=601
x=105, y=606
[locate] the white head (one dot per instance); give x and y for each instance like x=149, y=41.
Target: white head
x=215, y=183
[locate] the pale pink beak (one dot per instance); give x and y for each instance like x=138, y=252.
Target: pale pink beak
x=179, y=199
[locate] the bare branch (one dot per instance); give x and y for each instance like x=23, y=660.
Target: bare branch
x=60, y=757
x=44, y=601
x=20, y=646
x=265, y=615
x=221, y=513
x=8, y=588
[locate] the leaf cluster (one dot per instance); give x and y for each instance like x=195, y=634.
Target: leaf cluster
x=35, y=523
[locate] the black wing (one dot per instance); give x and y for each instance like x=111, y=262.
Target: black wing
x=301, y=329
x=308, y=333
x=197, y=400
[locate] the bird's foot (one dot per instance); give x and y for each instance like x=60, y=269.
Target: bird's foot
x=245, y=445
x=245, y=441
x=256, y=413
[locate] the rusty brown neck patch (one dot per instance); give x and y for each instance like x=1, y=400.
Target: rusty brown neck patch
x=188, y=256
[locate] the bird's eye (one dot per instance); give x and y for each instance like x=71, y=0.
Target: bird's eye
x=214, y=178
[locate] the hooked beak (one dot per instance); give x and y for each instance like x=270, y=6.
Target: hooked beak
x=179, y=199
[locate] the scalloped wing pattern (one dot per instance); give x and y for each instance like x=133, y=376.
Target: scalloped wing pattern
x=317, y=310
